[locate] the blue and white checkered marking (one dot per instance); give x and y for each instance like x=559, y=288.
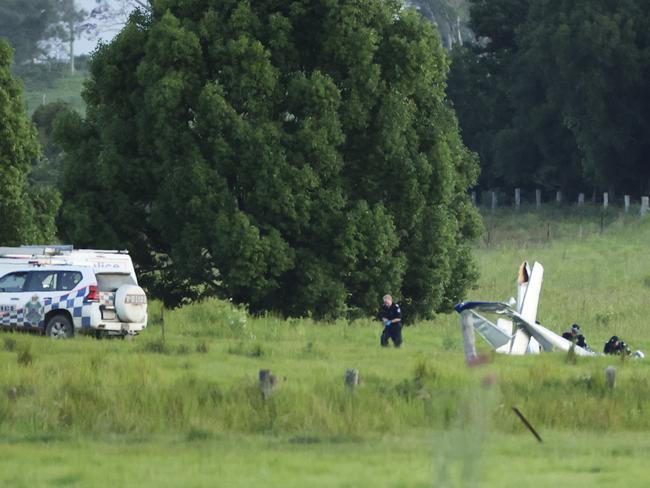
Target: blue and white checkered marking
x=74, y=303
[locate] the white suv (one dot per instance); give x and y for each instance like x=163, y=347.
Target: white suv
x=61, y=291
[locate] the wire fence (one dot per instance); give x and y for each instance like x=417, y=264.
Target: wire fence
x=517, y=199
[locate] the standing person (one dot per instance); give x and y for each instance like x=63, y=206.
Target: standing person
x=391, y=316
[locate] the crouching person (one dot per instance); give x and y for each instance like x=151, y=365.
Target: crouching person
x=391, y=316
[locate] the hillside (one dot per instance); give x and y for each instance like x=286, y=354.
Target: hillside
x=67, y=89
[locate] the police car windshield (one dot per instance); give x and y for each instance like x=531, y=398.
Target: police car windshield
x=112, y=281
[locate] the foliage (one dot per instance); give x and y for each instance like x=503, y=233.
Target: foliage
x=25, y=215
x=296, y=156
x=451, y=18
x=23, y=24
x=562, y=93
x=47, y=170
x=156, y=413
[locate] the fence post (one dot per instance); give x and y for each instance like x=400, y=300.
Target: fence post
x=558, y=197
x=351, y=378
x=474, y=198
x=538, y=199
x=268, y=382
x=627, y=203
x=644, y=206
x=610, y=374
x=517, y=198
x=467, y=326
x=494, y=200
x=605, y=200
x=581, y=199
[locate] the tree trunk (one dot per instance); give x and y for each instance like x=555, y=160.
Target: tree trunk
x=71, y=30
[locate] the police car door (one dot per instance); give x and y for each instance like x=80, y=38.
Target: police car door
x=39, y=287
x=11, y=288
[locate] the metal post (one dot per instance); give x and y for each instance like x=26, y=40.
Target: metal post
x=538, y=199
x=644, y=206
x=494, y=200
x=581, y=199
x=517, y=198
x=627, y=203
x=558, y=197
x=605, y=200
x=467, y=326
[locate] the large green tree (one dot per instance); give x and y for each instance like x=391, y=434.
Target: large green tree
x=555, y=93
x=27, y=215
x=24, y=23
x=298, y=156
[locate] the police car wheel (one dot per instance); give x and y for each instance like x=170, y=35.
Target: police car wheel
x=59, y=327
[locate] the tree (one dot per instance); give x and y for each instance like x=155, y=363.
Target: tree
x=296, y=156
x=70, y=23
x=450, y=17
x=26, y=216
x=555, y=94
x=24, y=24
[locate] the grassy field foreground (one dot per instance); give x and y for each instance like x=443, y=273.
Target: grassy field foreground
x=188, y=410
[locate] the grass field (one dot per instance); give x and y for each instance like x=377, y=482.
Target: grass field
x=66, y=89
x=187, y=411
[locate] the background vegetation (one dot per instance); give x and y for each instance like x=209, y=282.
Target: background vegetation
x=196, y=393
x=298, y=157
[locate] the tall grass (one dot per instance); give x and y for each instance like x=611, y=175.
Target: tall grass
x=200, y=379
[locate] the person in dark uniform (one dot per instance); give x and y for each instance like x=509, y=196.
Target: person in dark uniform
x=616, y=346
x=575, y=336
x=391, y=316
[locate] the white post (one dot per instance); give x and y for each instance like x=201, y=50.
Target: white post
x=644, y=206
x=538, y=199
x=627, y=203
x=467, y=326
x=494, y=200
x=558, y=197
x=605, y=200
x=517, y=198
x=581, y=199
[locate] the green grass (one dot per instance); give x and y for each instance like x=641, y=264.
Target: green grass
x=67, y=89
x=188, y=410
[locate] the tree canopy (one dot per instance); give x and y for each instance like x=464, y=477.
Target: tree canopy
x=26, y=215
x=555, y=94
x=297, y=156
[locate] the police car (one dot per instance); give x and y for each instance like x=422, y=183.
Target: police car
x=62, y=291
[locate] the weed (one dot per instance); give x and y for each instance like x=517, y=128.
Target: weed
x=156, y=346
x=9, y=344
x=25, y=357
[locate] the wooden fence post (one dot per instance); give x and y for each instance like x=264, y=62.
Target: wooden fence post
x=351, y=378
x=627, y=203
x=494, y=200
x=558, y=197
x=610, y=374
x=268, y=382
x=581, y=199
x=605, y=200
x=538, y=199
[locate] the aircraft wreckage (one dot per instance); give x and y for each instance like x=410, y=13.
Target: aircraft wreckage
x=516, y=330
